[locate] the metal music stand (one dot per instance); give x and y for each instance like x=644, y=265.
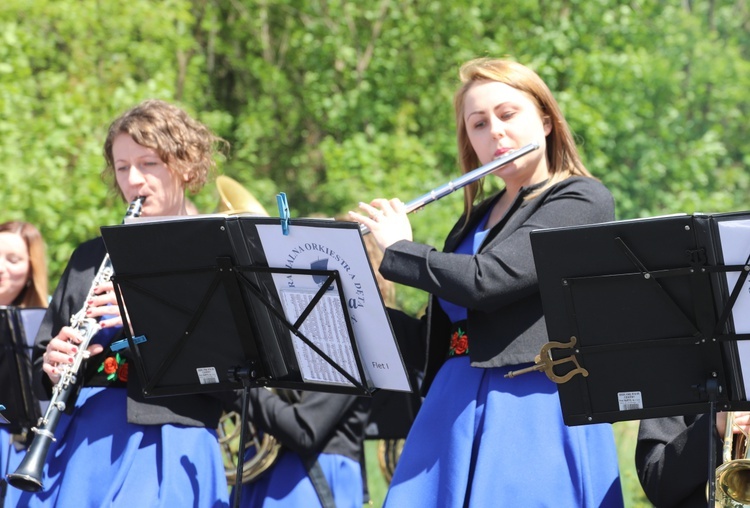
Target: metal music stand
x=637, y=314
x=17, y=333
x=205, y=313
x=18, y=329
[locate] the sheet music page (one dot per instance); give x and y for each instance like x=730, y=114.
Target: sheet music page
x=340, y=249
x=735, y=244
x=326, y=328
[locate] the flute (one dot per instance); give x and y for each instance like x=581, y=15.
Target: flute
x=462, y=181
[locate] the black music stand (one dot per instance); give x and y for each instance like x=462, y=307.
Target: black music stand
x=17, y=333
x=640, y=315
x=213, y=313
x=207, y=311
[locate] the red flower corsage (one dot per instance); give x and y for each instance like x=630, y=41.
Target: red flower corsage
x=115, y=367
x=459, y=343
x=122, y=374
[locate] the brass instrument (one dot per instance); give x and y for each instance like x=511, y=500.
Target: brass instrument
x=389, y=451
x=266, y=449
x=235, y=199
x=733, y=475
x=28, y=475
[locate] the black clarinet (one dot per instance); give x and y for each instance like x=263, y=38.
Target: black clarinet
x=28, y=475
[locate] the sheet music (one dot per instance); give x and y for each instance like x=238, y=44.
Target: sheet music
x=735, y=245
x=340, y=249
x=326, y=328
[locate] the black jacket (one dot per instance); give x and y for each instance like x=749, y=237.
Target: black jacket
x=498, y=285
x=197, y=410
x=671, y=459
x=313, y=423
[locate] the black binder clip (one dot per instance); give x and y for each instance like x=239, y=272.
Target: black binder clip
x=283, y=212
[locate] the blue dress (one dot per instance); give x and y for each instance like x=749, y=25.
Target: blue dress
x=287, y=484
x=326, y=427
x=482, y=440
x=99, y=459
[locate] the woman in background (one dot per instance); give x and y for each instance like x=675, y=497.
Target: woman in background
x=479, y=438
x=23, y=284
x=23, y=265
x=117, y=448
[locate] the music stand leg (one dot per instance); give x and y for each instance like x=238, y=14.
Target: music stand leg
x=712, y=387
x=5, y=471
x=243, y=375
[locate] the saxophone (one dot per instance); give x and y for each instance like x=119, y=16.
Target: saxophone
x=28, y=475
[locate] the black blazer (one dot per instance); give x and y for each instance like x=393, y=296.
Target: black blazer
x=498, y=285
x=318, y=422
x=671, y=459
x=198, y=410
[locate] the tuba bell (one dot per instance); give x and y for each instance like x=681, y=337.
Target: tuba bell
x=235, y=199
x=733, y=475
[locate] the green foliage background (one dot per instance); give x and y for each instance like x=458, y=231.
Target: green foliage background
x=336, y=102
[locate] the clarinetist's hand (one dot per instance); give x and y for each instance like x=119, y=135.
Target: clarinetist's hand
x=386, y=220
x=104, y=303
x=61, y=350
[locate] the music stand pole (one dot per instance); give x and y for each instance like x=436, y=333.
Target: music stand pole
x=712, y=387
x=241, y=374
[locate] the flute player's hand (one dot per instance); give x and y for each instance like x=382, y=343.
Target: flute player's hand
x=386, y=220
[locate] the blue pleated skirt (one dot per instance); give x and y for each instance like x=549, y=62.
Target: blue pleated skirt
x=482, y=440
x=287, y=484
x=101, y=460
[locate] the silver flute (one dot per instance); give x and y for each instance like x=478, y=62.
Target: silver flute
x=28, y=475
x=462, y=181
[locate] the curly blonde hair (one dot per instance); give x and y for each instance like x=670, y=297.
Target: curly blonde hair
x=186, y=146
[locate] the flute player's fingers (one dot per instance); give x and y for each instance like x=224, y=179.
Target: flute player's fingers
x=387, y=224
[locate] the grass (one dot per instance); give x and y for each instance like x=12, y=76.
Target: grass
x=625, y=438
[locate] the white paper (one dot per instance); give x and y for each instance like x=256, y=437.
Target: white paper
x=142, y=219
x=735, y=245
x=339, y=249
x=326, y=328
